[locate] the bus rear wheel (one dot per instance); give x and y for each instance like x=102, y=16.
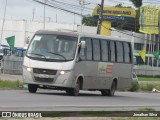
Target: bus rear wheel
x=111, y=91
x=32, y=88
x=104, y=92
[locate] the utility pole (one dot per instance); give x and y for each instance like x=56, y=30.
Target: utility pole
x=81, y=2
x=56, y=18
x=100, y=17
x=33, y=14
x=3, y=21
x=45, y=1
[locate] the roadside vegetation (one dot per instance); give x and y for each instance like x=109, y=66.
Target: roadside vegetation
x=145, y=83
x=149, y=78
x=137, y=118
x=6, y=84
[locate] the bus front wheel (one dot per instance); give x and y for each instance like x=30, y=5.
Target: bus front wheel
x=32, y=88
x=74, y=91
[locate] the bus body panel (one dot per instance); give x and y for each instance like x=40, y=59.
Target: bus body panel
x=97, y=77
x=65, y=80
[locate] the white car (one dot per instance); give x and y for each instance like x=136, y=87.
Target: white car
x=134, y=77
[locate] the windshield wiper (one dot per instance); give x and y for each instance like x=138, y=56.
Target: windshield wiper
x=58, y=55
x=38, y=55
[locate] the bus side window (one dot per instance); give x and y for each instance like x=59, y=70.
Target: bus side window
x=127, y=52
x=82, y=53
x=88, y=49
x=112, y=51
x=96, y=50
x=120, y=55
x=104, y=50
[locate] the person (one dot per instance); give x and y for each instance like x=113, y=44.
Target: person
x=42, y=48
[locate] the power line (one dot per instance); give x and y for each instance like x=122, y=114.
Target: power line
x=69, y=6
x=57, y=7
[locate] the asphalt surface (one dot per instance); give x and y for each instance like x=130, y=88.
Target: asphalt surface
x=53, y=100
x=58, y=100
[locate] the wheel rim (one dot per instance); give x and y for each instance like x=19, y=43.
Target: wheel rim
x=113, y=88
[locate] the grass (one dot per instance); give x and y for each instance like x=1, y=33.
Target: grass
x=149, y=79
x=146, y=109
x=140, y=86
x=10, y=84
x=149, y=87
x=137, y=118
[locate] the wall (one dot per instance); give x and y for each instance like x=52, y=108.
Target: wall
x=23, y=29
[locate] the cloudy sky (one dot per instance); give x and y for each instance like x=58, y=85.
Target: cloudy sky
x=23, y=9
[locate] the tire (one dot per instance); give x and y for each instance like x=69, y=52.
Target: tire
x=69, y=91
x=74, y=91
x=104, y=92
x=109, y=92
x=113, y=89
x=32, y=88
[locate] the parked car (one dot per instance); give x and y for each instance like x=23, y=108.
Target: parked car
x=134, y=77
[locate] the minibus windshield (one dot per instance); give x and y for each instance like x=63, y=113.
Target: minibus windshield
x=46, y=47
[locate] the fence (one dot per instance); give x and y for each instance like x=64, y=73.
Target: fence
x=12, y=65
x=147, y=70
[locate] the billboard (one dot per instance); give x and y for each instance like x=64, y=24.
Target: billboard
x=115, y=13
x=149, y=19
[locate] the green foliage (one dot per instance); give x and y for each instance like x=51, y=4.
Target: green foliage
x=89, y=21
x=134, y=87
x=147, y=109
x=149, y=78
x=137, y=118
x=10, y=84
x=147, y=87
x=137, y=3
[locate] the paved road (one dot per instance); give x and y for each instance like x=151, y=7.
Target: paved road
x=92, y=101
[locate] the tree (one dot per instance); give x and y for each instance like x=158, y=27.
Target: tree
x=137, y=3
x=89, y=21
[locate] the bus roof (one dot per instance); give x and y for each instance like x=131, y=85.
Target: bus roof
x=103, y=37
x=76, y=34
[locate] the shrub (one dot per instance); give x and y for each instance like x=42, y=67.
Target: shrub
x=134, y=86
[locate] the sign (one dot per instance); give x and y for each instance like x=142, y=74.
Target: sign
x=149, y=17
x=105, y=69
x=115, y=13
x=105, y=28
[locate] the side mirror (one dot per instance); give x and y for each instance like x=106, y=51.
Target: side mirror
x=83, y=44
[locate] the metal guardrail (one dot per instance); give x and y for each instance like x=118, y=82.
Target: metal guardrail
x=12, y=65
x=147, y=70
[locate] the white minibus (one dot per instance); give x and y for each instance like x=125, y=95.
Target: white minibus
x=74, y=61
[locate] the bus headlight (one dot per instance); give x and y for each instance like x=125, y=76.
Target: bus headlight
x=64, y=71
x=29, y=69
